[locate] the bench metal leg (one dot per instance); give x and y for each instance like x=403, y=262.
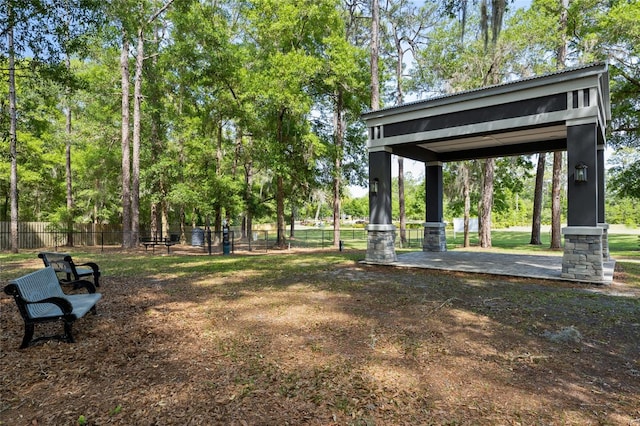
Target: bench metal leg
x=68, y=335
x=28, y=335
x=29, y=328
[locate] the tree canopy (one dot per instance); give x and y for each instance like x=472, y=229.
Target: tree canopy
x=249, y=109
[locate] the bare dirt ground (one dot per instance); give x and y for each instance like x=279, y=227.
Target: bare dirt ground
x=326, y=343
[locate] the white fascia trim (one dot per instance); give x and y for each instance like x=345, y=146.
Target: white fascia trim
x=585, y=115
x=486, y=100
x=380, y=148
x=582, y=120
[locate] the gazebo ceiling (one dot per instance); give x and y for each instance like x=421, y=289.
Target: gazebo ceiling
x=517, y=137
x=520, y=117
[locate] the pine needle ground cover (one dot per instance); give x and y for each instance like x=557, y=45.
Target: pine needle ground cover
x=317, y=338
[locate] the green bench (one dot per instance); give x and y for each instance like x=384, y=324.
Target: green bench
x=40, y=299
x=73, y=273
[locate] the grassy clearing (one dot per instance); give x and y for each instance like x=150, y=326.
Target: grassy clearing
x=626, y=245
x=136, y=264
x=623, y=245
x=316, y=338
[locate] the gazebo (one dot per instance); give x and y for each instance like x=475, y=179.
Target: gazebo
x=562, y=111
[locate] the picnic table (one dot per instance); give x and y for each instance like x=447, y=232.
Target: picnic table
x=154, y=241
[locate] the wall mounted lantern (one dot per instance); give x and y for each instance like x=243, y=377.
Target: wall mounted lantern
x=581, y=172
x=374, y=186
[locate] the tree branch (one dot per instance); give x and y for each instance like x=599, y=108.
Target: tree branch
x=626, y=129
x=629, y=78
x=159, y=12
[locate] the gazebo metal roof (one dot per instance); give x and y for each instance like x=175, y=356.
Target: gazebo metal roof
x=518, y=117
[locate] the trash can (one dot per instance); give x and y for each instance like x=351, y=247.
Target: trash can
x=197, y=237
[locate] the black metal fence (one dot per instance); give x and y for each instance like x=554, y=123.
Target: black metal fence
x=40, y=236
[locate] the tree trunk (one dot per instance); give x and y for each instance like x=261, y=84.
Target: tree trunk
x=556, y=219
x=338, y=125
x=183, y=224
x=248, y=226
x=68, y=163
x=153, y=225
x=13, y=138
x=134, y=191
x=165, y=218
x=164, y=211
x=375, y=47
x=125, y=145
x=219, y=152
x=248, y=179
x=399, y=101
x=217, y=225
x=401, y=203
x=137, y=106
x=219, y=157
x=68, y=175
x=237, y=154
x=486, y=203
x=466, y=193
x=280, y=210
x=556, y=237
x=156, y=141
x=497, y=14
x=561, y=53
x=336, y=205
x=292, y=223
x=538, y=201
x=280, y=186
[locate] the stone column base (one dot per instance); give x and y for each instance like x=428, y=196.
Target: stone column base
x=380, y=244
x=583, y=259
x=606, y=255
x=435, y=237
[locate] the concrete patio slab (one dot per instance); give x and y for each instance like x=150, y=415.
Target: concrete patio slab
x=547, y=267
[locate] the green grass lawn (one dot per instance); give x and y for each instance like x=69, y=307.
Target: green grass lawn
x=141, y=264
x=620, y=245
x=624, y=249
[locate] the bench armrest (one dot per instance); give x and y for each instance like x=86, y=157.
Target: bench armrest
x=91, y=288
x=92, y=265
x=64, y=305
x=11, y=290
